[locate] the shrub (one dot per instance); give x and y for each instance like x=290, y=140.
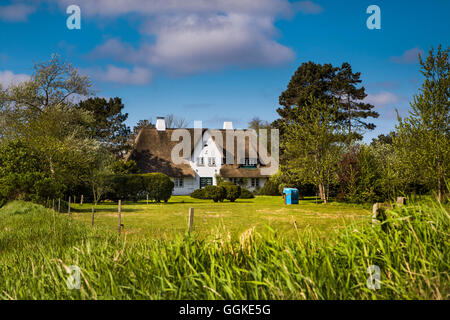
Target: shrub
x=132, y=187
x=246, y=194
x=232, y=191
x=198, y=194
x=216, y=193
x=158, y=186
x=270, y=188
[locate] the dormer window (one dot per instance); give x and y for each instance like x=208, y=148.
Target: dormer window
x=211, y=161
x=249, y=163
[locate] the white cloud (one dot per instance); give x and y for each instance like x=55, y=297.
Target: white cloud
x=381, y=99
x=198, y=35
x=193, y=43
x=409, y=56
x=115, y=74
x=8, y=77
x=16, y=12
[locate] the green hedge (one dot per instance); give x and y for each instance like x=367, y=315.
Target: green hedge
x=246, y=194
x=198, y=194
x=133, y=187
x=215, y=193
x=232, y=191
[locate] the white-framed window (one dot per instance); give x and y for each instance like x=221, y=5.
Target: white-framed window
x=200, y=161
x=255, y=182
x=179, y=182
x=211, y=161
x=249, y=162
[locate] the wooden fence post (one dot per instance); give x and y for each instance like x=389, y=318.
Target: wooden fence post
x=93, y=212
x=147, y=198
x=120, y=215
x=81, y=201
x=68, y=207
x=191, y=219
x=59, y=205
x=401, y=201
x=74, y=199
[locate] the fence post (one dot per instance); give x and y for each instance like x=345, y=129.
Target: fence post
x=93, y=212
x=53, y=204
x=147, y=198
x=191, y=219
x=74, y=199
x=68, y=207
x=59, y=205
x=81, y=201
x=120, y=215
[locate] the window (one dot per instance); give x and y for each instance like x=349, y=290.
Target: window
x=206, y=181
x=211, y=161
x=179, y=182
x=249, y=163
x=255, y=183
x=200, y=161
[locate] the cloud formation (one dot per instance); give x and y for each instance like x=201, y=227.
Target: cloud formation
x=200, y=35
x=409, y=56
x=18, y=12
x=136, y=76
x=8, y=78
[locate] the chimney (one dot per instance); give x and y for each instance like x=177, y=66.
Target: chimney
x=228, y=125
x=160, y=124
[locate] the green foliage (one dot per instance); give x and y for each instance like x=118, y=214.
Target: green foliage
x=246, y=194
x=332, y=87
x=132, y=187
x=312, y=144
x=423, y=141
x=198, y=194
x=215, y=193
x=158, y=186
x=109, y=126
x=270, y=188
x=124, y=167
x=232, y=191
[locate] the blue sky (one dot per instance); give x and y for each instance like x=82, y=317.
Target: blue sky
x=215, y=60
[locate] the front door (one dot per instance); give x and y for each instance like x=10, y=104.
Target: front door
x=206, y=181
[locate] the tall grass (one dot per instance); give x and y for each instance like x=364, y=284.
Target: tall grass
x=36, y=247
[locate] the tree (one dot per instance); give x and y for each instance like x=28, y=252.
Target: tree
x=329, y=85
x=109, y=126
x=99, y=171
x=124, y=167
x=256, y=123
x=174, y=122
x=350, y=96
x=312, y=145
x=423, y=142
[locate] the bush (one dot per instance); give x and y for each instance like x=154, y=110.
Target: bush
x=198, y=194
x=132, y=187
x=232, y=191
x=158, y=186
x=246, y=194
x=216, y=193
x=270, y=188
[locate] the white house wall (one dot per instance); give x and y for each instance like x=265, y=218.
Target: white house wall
x=211, y=150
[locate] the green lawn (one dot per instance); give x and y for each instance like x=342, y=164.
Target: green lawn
x=166, y=220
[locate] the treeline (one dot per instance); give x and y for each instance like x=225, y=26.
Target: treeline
x=57, y=139
x=323, y=118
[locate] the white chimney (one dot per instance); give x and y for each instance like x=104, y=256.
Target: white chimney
x=160, y=124
x=228, y=125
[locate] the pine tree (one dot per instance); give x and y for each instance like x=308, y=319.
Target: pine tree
x=423, y=142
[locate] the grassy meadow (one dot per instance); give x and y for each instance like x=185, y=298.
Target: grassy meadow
x=411, y=249
x=167, y=220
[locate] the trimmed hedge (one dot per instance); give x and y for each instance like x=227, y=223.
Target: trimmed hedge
x=133, y=187
x=232, y=191
x=216, y=193
x=198, y=194
x=246, y=194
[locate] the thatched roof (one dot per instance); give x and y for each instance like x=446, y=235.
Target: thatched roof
x=153, y=150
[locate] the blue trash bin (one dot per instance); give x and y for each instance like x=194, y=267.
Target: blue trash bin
x=290, y=195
